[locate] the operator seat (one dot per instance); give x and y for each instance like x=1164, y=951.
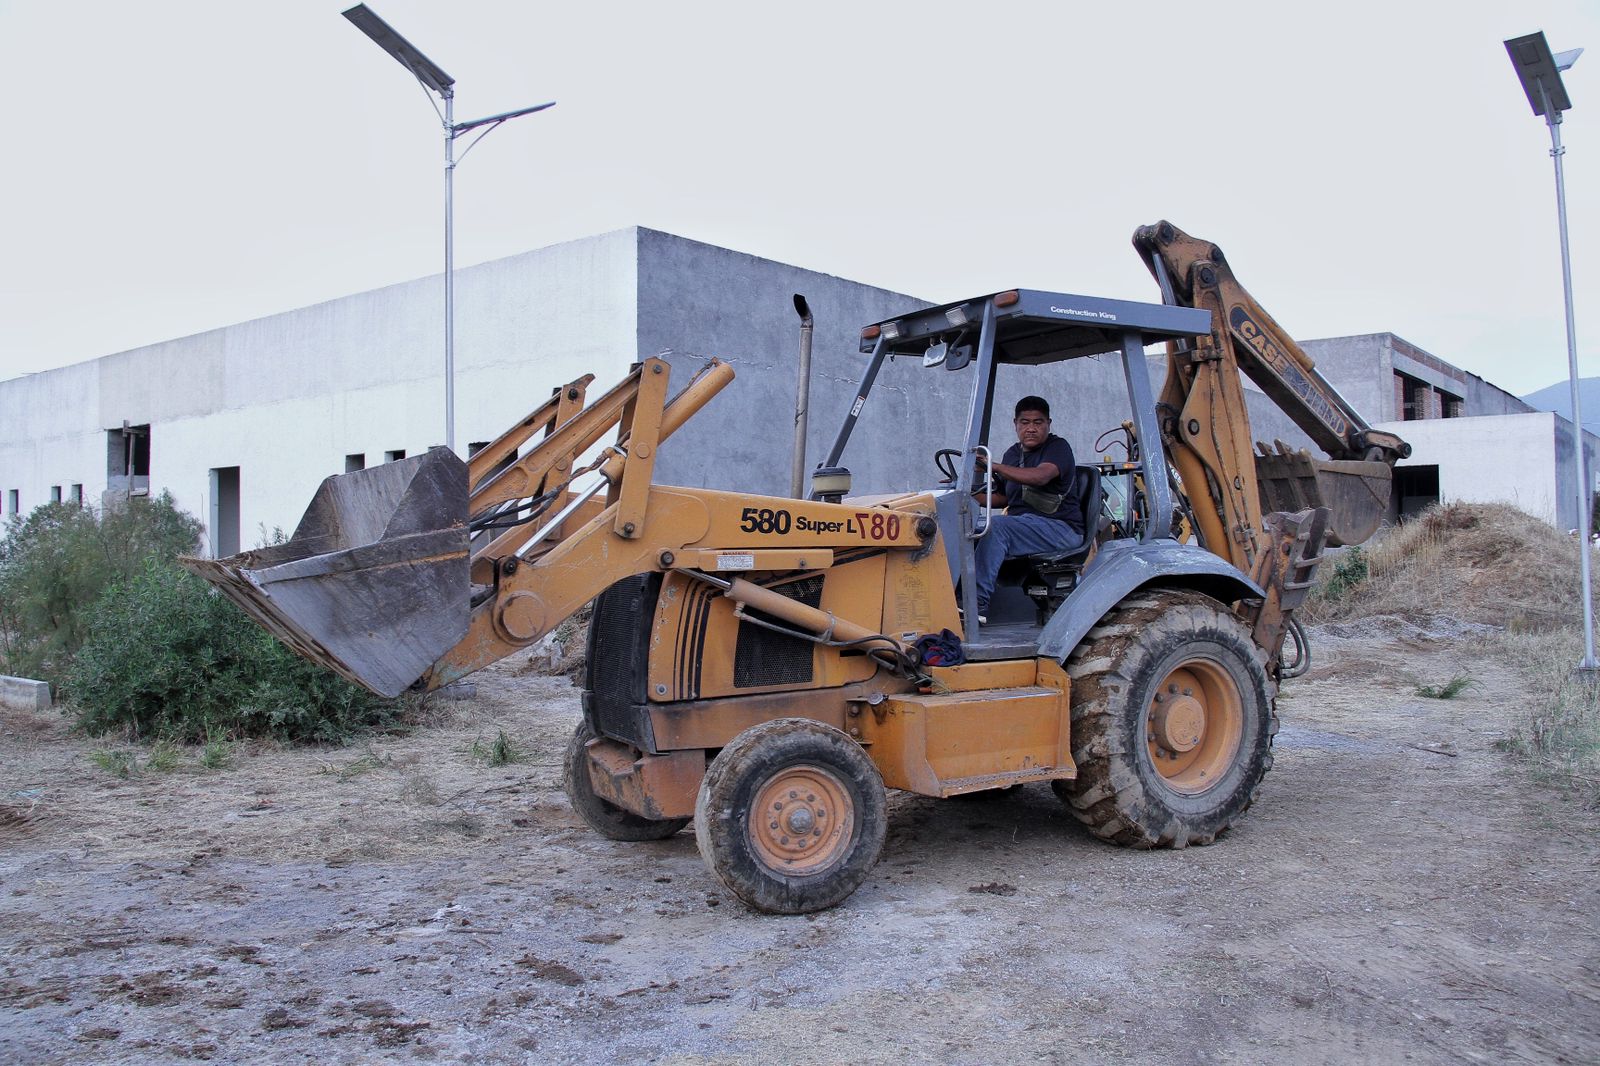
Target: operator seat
x=1050, y=576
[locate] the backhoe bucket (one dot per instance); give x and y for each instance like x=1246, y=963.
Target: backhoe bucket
x=374, y=584
x=1355, y=493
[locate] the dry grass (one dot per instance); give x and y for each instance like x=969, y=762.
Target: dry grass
x=1558, y=729
x=1516, y=580
x=1482, y=563
x=399, y=795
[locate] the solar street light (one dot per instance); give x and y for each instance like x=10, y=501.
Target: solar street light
x=435, y=80
x=1539, y=70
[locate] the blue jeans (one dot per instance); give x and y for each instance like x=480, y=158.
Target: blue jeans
x=1012, y=535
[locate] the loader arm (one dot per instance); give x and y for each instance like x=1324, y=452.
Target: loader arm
x=384, y=583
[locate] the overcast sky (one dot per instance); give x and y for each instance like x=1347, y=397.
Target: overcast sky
x=171, y=167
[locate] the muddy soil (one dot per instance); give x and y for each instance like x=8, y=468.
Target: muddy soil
x=1401, y=892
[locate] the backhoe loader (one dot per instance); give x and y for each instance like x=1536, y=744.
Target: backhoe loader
x=752, y=663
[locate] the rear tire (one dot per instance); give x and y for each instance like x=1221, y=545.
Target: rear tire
x=1172, y=721
x=601, y=815
x=791, y=816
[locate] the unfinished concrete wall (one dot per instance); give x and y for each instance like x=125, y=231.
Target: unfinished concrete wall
x=286, y=398
x=698, y=300
x=1362, y=369
x=1525, y=460
x=1566, y=472
x=1491, y=459
x=46, y=438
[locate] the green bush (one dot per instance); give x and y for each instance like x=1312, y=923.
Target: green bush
x=56, y=562
x=1349, y=571
x=166, y=656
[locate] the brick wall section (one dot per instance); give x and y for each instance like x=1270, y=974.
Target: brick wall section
x=1411, y=351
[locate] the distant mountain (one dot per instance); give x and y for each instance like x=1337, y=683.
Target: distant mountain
x=1558, y=398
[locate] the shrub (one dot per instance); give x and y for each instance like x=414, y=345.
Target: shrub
x=499, y=752
x=1349, y=571
x=165, y=656
x=115, y=763
x=56, y=563
x=1449, y=690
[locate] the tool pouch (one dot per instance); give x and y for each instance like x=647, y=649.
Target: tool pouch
x=1041, y=501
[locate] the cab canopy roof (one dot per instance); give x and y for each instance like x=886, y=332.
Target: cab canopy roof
x=1033, y=327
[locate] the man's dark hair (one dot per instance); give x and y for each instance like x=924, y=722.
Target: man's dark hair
x=1033, y=403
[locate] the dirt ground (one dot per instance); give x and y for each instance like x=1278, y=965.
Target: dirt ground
x=1401, y=892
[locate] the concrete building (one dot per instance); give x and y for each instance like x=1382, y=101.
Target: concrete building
x=241, y=423
x=1472, y=441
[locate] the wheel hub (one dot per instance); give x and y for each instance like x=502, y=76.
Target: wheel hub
x=1195, y=725
x=801, y=821
x=1179, y=721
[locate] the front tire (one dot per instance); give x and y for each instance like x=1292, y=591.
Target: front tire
x=601, y=815
x=1172, y=721
x=791, y=816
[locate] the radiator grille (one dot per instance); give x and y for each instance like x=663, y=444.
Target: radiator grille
x=763, y=657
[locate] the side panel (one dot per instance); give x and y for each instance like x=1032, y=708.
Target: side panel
x=945, y=744
x=700, y=649
x=919, y=596
x=1122, y=566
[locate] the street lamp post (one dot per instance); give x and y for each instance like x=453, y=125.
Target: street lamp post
x=435, y=80
x=1540, y=73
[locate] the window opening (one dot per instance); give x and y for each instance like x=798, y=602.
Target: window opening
x=394, y=456
x=128, y=460
x=355, y=461
x=1416, y=488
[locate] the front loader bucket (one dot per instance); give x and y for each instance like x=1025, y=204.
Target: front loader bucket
x=374, y=584
x=1355, y=493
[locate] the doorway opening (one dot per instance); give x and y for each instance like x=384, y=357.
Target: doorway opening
x=224, y=511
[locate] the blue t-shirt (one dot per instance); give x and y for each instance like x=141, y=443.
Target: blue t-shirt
x=1053, y=450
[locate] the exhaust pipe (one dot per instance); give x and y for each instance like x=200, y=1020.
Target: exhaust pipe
x=802, y=403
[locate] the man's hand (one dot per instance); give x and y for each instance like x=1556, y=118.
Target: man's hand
x=1042, y=474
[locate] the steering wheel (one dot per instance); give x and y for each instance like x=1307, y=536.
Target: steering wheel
x=945, y=460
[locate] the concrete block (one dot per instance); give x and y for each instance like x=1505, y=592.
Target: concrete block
x=23, y=694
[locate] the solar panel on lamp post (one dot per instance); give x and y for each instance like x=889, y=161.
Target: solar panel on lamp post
x=1540, y=73
x=435, y=80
